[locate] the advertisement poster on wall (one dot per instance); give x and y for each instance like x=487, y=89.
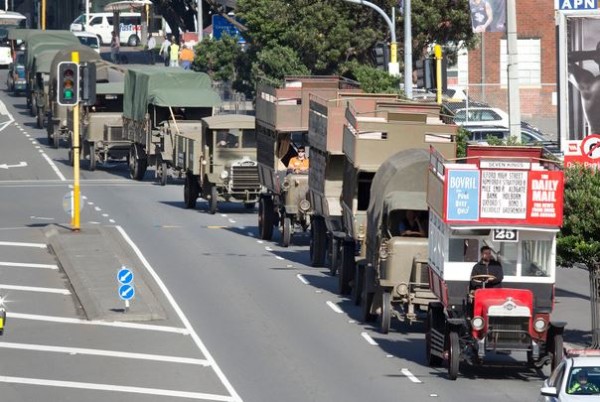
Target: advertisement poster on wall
x=488, y=15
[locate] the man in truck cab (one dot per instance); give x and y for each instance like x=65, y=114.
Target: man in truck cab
x=486, y=267
x=299, y=163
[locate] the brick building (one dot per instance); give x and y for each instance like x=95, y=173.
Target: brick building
x=487, y=69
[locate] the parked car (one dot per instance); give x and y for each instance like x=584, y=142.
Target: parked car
x=529, y=136
x=481, y=116
x=88, y=39
x=576, y=378
x=15, y=78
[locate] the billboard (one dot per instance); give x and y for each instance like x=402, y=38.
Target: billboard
x=579, y=83
x=488, y=15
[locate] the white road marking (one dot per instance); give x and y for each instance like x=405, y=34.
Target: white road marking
x=100, y=352
x=36, y=289
x=335, y=307
x=41, y=218
x=410, y=376
x=105, y=215
x=54, y=167
x=98, y=209
x=90, y=203
x=260, y=241
x=41, y=151
x=279, y=257
x=224, y=215
x=20, y=244
x=368, y=338
x=234, y=395
x=231, y=220
x=116, y=388
x=268, y=248
x=27, y=265
x=111, y=220
x=250, y=234
x=116, y=324
x=302, y=279
x=37, y=147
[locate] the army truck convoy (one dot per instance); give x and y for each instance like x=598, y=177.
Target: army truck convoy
x=363, y=201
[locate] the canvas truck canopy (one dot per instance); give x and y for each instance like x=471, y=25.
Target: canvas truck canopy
x=400, y=183
x=42, y=62
x=164, y=86
x=21, y=34
x=225, y=121
x=110, y=88
x=46, y=40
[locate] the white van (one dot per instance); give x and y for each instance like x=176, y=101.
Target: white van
x=101, y=25
x=88, y=39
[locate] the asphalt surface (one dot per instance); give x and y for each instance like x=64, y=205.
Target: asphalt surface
x=243, y=319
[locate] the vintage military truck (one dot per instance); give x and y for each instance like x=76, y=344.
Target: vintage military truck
x=37, y=41
x=40, y=71
x=373, y=191
x=57, y=127
x=282, y=126
x=218, y=157
x=158, y=103
x=101, y=124
x=325, y=133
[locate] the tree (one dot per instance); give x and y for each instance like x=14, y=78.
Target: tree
x=579, y=238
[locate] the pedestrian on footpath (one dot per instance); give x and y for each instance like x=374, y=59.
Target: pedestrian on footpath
x=174, y=54
x=186, y=57
x=151, y=44
x=115, y=46
x=164, y=50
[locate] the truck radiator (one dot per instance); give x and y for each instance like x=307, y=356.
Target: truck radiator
x=113, y=133
x=508, y=333
x=244, y=178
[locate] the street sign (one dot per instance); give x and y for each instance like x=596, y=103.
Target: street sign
x=126, y=292
x=125, y=276
x=221, y=25
x=570, y=5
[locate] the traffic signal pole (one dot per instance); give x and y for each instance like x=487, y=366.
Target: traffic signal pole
x=437, y=50
x=76, y=218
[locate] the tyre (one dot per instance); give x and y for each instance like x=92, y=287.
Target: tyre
x=212, y=202
x=454, y=355
x=335, y=256
x=39, y=118
x=318, y=242
x=557, y=350
x=164, y=170
x=190, y=191
x=92, y=151
x=286, y=232
x=366, y=301
x=385, y=319
x=265, y=218
x=71, y=156
x=133, y=41
x=432, y=360
x=56, y=137
x=359, y=284
x=137, y=163
x=346, y=271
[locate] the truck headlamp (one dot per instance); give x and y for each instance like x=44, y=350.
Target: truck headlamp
x=383, y=251
x=304, y=205
x=224, y=174
x=477, y=323
x=539, y=325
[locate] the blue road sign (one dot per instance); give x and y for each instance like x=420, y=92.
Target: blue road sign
x=126, y=292
x=568, y=5
x=125, y=276
x=221, y=26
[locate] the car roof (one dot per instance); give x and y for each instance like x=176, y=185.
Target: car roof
x=86, y=34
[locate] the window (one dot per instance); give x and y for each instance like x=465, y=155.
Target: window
x=530, y=56
x=536, y=257
x=249, y=139
x=488, y=115
x=96, y=21
x=109, y=20
x=463, y=250
x=227, y=139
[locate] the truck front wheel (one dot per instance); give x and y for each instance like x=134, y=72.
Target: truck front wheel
x=265, y=218
x=318, y=236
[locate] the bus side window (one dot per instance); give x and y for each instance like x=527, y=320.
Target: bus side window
x=464, y=250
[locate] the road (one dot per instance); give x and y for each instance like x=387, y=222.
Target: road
x=246, y=319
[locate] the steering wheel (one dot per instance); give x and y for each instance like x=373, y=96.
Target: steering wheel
x=483, y=278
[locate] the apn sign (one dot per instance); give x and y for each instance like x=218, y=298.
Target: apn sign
x=566, y=5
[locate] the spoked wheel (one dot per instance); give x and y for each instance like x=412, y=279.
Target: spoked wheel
x=385, y=318
x=163, y=172
x=318, y=242
x=432, y=360
x=359, y=283
x=346, y=270
x=212, y=202
x=334, y=256
x=190, y=191
x=137, y=163
x=557, y=350
x=265, y=218
x=92, y=151
x=454, y=355
x=286, y=232
x=56, y=137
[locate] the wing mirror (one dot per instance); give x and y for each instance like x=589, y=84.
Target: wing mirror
x=549, y=391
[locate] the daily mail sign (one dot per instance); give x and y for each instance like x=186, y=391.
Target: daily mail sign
x=575, y=5
x=492, y=196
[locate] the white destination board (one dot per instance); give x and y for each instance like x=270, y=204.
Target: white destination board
x=503, y=194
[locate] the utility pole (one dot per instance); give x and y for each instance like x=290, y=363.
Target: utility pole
x=514, y=102
x=43, y=15
x=76, y=218
x=407, y=50
x=87, y=14
x=393, y=67
x=200, y=21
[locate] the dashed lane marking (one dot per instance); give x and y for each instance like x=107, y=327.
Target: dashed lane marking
x=334, y=307
x=20, y=244
x=101, y=352
x=27, y=265
x=54, y=167
x=65, y=292
x=368, y=338
x=115, y=388
x=302, y=279
x=410, y=376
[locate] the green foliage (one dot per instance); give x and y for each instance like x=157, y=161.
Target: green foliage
x=579, y=238
x=217, y=58
x=277, y=62
x=372, y=80
x=462, y=136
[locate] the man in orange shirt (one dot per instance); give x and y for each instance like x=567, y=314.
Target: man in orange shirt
x=186, y=57
x=299, y=164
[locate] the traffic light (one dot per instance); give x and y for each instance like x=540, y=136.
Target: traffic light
x=425, y=73
x=381, y=54
x=88, y=84
x=68, y=83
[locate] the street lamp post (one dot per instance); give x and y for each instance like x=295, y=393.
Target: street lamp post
x=393, y=67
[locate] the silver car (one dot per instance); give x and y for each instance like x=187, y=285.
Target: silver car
x=576, y=378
